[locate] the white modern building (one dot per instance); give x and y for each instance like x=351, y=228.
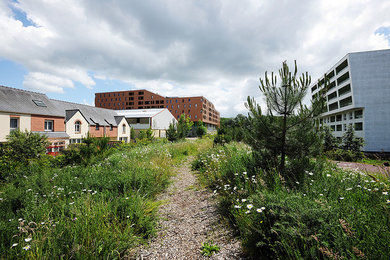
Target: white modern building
x=157, y=119
x=359, y=95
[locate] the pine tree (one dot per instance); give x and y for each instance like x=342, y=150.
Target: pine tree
x=287, y=130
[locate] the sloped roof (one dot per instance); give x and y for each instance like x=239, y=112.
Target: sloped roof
x=93, y=115
x=21, y=101
x=138, y=113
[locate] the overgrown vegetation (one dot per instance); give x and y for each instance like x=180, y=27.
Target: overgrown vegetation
x=94, y=201
x=281, y=196
x=331, y=213
x=180, y=130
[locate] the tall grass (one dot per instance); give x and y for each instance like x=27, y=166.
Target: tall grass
x=333, y=213
x=101, y=210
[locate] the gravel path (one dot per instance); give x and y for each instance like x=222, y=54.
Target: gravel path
x=188, y=219
x=385, y=171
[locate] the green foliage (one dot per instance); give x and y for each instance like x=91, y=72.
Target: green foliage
x=201, y=130
x=331, y=213
x=330, y=142
x=208, y=248
x=132, y=133
x=286, y=132
x=231, y=129
x=172, y=135
x=146, y=134
x=102, y=209
x=26, y=146
x=351, y=142
x=184, y=126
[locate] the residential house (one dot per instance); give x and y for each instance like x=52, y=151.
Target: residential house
x=157, y=119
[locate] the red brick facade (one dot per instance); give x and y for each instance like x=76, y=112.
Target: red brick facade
x=38, y=123
x=104, y=131
x=198, y=108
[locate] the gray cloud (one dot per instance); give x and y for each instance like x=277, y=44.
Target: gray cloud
x=213, y=48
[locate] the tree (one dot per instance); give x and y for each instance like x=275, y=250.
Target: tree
x=25, y=146
x=201, y=130
x=184, y=126
x=172, y=132
x=350, y=142
x=287, y=129
x=330, y=142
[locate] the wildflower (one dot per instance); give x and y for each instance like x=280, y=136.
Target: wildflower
x=27, y=247
x=348, y=189
x=249, y=206
x=244, y=173
x=388, y=201
x=262, y=208
x=321, y=194
x=243, y=200
x=71, y=203
x=14, y=244
x=28, y=239
x=127, y=198
x=297, y=182
x=304, y=194
x=311, y=174
x=328, y=175
x=1, y=199
x=237, y=206
x=20, y=219
x=42, y=223
x=385, y=193
x=247, y=212
x=259, y=210
x=341, y=198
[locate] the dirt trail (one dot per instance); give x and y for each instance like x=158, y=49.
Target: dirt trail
x=188, y=219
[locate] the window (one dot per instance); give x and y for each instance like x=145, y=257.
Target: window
x=13, y=124
x=359, y=126
x=123, y=129
x=77, y=126
x=111, y=127
x=49, y=125
x=358, y=114
x=196, y=105
x=39, y=103
x=338, y=118
x=339, y=128
x=97, y=127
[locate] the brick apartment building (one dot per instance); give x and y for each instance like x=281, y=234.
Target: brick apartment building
x=197, y=108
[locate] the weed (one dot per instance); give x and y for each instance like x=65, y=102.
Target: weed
x=208, y=248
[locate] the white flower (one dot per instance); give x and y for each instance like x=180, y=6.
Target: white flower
x=328, y=175
x=1, y=199
x=304, y=194
x=28, y=239
x=244, y=173
x=237, y=206
x=388, y=201
x=27, y=247
x=14, y=244
x=348, y=189
x=321, y=194
x=341, y=198
x=127, y=198
x=259, y=210
x=248, y=211
x=297, y=182
x=20, y=219
x=262, y=208
x=249, y=206
x=385, y=193
x=311, y=174
x=243, y=200
x=42, y=223
x=71, y=203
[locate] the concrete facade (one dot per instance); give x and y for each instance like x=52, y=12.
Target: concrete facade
x=359, y=95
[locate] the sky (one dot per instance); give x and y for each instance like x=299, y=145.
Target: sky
x=71, y=49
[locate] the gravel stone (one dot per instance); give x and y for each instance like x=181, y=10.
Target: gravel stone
x=187, y=220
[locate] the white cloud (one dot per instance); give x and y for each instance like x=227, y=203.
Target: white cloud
x=217, y=49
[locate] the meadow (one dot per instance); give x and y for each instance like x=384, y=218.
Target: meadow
x=102, y=209
x=332, y=213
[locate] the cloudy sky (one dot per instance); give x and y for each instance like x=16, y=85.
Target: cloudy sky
x=70, y=49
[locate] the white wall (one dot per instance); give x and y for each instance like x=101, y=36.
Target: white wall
x=24, y=124
x=120, y=130
x=162, y=120
x=70, y=130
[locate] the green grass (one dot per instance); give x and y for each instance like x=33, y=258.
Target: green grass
x=97, y=211
x=332, y=213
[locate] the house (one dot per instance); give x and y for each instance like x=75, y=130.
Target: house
x=62, y=122
x=98, y=122
x=359, y=95
x=31, y=111
x=157, y=119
